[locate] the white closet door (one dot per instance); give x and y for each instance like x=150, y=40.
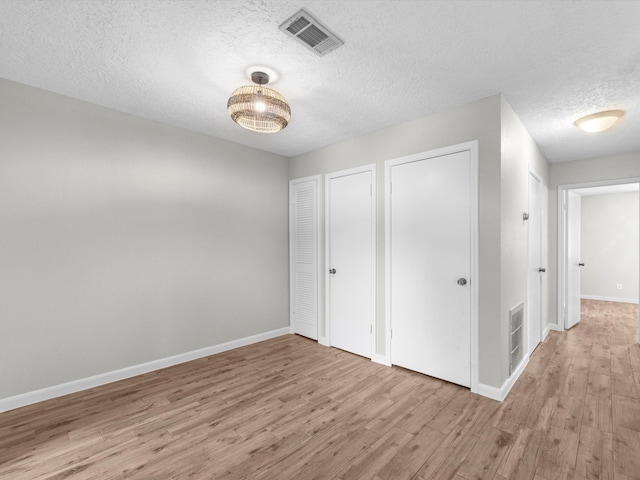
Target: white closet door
x=350, y=226
x=431, y=265
x=304, y=243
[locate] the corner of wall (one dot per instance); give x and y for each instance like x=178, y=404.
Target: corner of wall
x=519, y=155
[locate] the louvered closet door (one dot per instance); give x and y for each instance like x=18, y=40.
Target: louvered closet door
x=303, y=234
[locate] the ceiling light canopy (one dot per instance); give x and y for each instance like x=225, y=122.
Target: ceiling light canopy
x=258, y=108
x=599, y=122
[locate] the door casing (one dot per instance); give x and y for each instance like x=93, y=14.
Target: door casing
x=563, y=244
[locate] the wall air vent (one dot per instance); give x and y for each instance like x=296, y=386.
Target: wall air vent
x=311, y=33
x=516, y=337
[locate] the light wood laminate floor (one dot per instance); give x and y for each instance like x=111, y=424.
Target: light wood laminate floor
x=291, y=409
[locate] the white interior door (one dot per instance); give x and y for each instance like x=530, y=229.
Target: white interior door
x=350, y=228
x=430, y=266
x=303, y=251
x=573, y=259
x=534, y=265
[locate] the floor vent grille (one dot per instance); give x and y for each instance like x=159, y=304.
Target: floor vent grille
x=311, y=33
x=516, y=349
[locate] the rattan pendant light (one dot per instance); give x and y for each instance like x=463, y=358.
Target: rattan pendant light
x=258, y=108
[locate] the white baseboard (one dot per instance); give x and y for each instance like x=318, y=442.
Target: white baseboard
x=77, y=385
x=488, y=391
x=551, y=327
x=500, y=393
x=610, y=299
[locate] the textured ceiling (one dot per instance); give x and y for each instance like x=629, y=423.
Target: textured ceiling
x=177, y=61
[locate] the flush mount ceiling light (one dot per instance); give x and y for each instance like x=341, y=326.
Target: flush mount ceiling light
x=599, y=122
x=258, y=108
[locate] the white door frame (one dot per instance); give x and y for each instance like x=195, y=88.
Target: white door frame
x=472, y=148
x=563, y=242
x=318, y=180
x=533, y=174
x=327, y=222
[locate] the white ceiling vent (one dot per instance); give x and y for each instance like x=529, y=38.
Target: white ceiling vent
x=311, y=33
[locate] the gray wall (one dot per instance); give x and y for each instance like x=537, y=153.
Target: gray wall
x=509, y=149
x=609, y=242
x=124, y=241
x=614, y=167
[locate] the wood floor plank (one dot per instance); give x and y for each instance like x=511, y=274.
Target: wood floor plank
x=406, y=462
x=622, y=383
x=332, y=457
x=558, y=451
x=451, y=415
x=485, y=457
x=377, y=456
x=263, y=459
x=449, y=455
x=598, y=413
x=542, y=412
x=626, y=445
x=513, y=413
x=599, y=384
x=521, y=461
x=626, y=412
x=568, y=413
x=392, y=415
x=419, y=417
x=595, y=455
x=290, y=408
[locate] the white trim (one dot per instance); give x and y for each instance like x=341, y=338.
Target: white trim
x=102, y=379
x=475, y=268
x=501, y=393
x=472, y=148
x=562, y=253
x=387, y=262
x=327, y=222
x=318, y=180
x=610, y=299
x=381, y=359
x=548, y=328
